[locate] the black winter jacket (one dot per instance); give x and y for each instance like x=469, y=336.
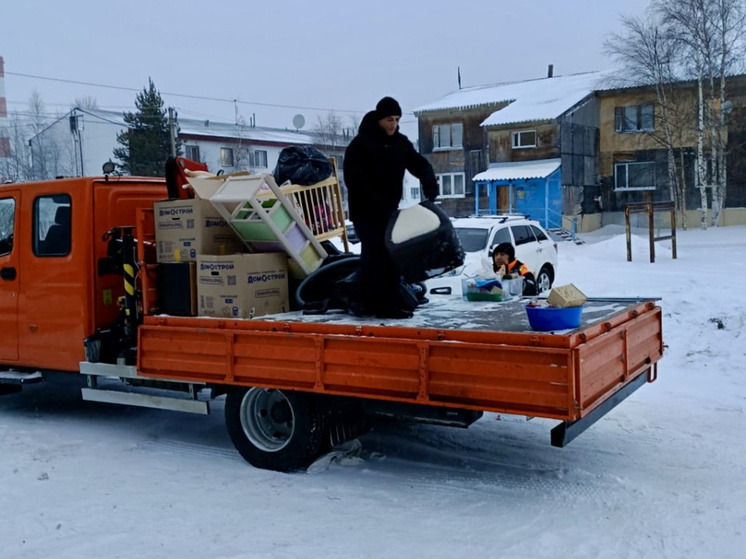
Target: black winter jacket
x=374, y=166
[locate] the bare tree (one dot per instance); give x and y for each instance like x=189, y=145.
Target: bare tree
x=350, y=132
x=329, y=130
x=730, y=25
x=17, y=166
x=700, y=40
x=37, y=112
x=647, y=54
x=241, y=158
x=86, y=102
x=710, y=37
x=37, y=121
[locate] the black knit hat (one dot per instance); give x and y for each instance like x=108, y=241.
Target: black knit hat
x=388, y=106
x=505, y=248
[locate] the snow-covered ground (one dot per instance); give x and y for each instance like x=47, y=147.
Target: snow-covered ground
x=661, y=476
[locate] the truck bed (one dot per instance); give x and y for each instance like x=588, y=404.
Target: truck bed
x=452, y=353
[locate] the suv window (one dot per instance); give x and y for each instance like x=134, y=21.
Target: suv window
x=523, y=234
x=502, y=235
x=540, y=236
x=472, y=239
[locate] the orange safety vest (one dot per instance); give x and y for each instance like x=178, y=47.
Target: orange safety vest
x=520, y=267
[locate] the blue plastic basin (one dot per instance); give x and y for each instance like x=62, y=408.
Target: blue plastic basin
x=548, y=318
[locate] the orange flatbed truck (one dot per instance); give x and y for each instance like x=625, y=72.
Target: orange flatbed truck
x=296, y=384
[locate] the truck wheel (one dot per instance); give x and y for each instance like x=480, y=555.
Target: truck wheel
x=274, y=429
x=543, y=280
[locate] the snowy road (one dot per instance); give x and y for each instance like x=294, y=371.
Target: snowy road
x=663, y=475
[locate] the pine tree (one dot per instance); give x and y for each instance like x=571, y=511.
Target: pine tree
x=145, y=144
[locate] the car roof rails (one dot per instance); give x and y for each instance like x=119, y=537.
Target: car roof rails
x=502, y=217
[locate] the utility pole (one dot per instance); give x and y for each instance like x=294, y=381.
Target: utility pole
x=172, y=130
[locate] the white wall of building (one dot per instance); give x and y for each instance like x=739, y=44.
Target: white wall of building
x=209, y=152
x=98, y=138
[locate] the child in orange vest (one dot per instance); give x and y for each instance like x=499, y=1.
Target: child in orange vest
x=505, y=263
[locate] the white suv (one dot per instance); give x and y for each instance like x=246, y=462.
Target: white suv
x=479, y=235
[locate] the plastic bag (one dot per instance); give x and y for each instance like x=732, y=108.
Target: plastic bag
x=302, y=165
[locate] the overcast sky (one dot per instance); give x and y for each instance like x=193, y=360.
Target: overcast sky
x=340, y=55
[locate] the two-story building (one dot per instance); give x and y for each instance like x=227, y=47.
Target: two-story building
x=523, y=147
x=634, y=157
x=571, y=151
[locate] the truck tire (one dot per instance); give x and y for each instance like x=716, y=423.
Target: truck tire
x=274, y=429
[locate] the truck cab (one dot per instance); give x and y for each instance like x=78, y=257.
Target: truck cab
x=55, y=286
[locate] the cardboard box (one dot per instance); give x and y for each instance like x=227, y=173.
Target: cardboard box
x=242, y=285
x=566, y=296
x=187, y=228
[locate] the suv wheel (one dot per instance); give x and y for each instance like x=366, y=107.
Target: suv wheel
x=544, y=280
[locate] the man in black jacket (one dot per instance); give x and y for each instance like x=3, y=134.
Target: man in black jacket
x=374, y=166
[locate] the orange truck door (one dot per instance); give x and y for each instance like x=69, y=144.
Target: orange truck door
x=54, y=307
x=10, y=202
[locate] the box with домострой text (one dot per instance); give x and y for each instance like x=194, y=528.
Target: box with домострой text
x=242, y=285
x=187, y=228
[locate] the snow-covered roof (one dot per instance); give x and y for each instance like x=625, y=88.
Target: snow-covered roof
x=530, y=100
x=212, y=129
x=519, y=170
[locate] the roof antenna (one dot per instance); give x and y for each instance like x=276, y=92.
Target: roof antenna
x=459, y=77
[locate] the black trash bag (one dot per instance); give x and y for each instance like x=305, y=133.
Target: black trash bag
x=432, y=248
x=302, y=165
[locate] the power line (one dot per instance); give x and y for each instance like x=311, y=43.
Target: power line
x=184, y=95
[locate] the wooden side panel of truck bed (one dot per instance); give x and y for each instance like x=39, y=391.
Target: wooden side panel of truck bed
x=441, y=357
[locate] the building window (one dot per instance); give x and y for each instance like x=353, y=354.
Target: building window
x=446, y=136
x=524, y=139
x=52, y=225
x=451, y=185
x=192, y=153
x=634, y=176
x=414, y=193
x=635, y=118
x=226, y=157
x=258, y=158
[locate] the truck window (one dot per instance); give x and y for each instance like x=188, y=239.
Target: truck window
x=52, y=226
x=7, y=221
